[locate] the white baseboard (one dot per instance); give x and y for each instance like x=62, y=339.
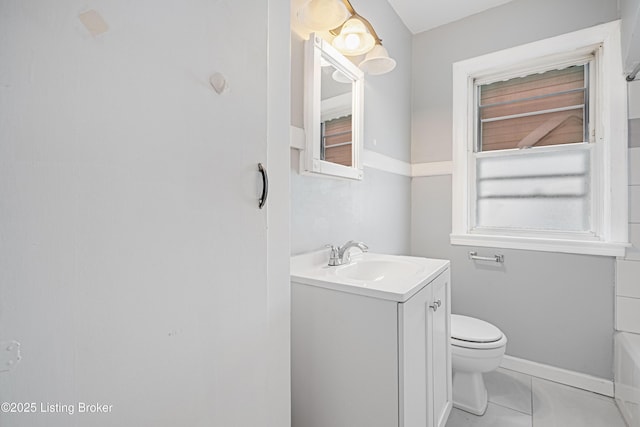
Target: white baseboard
x=559, y=375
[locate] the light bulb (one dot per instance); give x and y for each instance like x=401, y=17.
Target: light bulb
x=351, y=41
x=354, y=39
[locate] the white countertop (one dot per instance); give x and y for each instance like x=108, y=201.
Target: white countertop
x=391, y=277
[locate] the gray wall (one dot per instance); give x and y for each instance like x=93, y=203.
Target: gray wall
x=376, y=210
x=556, y=309
x=631, y=25
x=630, y=33
x=634, y=133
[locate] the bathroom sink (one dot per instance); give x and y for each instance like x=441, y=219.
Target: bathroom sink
x=378, y=270
x=392, y=277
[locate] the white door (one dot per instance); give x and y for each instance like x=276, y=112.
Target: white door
x=133, y=254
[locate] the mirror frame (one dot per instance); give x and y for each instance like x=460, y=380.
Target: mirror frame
x=310, y=158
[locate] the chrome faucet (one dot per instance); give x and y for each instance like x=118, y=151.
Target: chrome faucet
x=341, y=255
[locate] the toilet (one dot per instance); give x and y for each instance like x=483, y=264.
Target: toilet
x=476, y=347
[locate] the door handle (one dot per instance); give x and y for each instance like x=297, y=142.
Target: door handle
x=265, y=186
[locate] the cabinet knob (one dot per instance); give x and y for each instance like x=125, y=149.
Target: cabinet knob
x=436, y=304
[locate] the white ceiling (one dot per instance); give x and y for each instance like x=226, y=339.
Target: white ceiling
x=422, y=15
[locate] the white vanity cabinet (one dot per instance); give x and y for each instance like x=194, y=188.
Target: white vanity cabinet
x=371, y=361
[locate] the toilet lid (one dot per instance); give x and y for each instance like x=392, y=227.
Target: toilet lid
x=470, y=329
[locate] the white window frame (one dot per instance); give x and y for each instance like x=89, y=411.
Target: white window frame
x=609, y=146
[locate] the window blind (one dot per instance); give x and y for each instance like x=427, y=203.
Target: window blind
x=549, y=108
x=337, y=141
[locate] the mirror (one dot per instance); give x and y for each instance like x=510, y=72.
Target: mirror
x=333, y=116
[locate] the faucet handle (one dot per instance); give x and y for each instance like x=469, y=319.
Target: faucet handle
x=334, y=257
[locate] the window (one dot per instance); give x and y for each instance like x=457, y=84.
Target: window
x=540, y=146
x=520, y=188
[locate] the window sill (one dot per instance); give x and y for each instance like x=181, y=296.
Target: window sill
x=613, y=249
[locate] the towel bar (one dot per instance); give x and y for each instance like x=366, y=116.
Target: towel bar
x=496, y=258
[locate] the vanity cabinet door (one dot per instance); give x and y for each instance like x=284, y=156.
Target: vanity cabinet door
x=412, y=315
x=425, y=357
x=439, y=349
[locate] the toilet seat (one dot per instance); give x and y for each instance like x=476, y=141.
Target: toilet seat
x=479, y=345
x=469, y=332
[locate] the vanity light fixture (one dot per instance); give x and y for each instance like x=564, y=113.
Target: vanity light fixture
x=377, y=61
x=353, y=36
x=356, y=36
x=321, y=15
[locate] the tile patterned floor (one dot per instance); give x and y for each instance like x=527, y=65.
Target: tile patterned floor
x=518, y=400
